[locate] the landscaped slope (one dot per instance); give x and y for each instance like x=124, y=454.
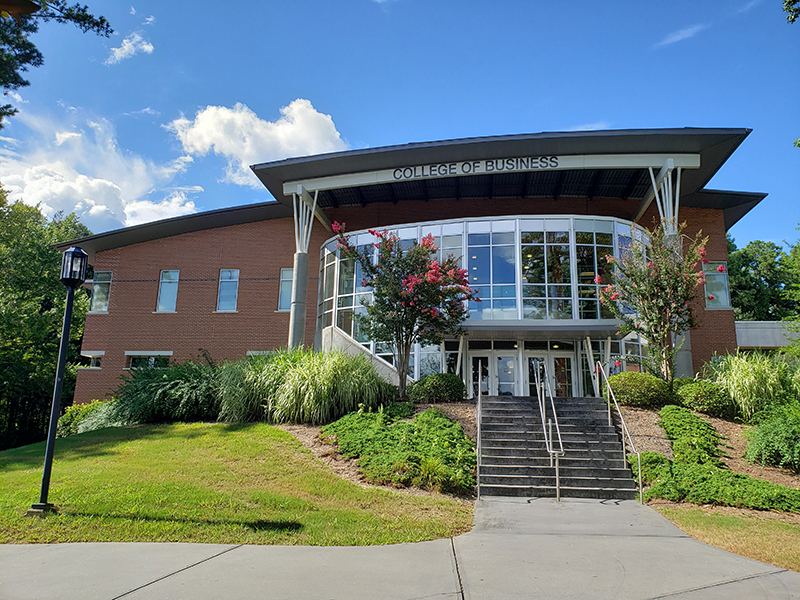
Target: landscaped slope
x=207, y=483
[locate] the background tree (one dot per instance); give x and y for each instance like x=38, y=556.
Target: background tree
x=652, y=290
x=32, y=300
x=757, y=276
x=18, y=53
x=415, y=297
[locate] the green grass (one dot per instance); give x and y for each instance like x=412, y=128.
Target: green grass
x=766, y=539
x=214, y=483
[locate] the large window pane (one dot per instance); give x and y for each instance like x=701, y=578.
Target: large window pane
x=558, y=264
x=533, y=264
x=228, y=289
x=285, y=292
x=503, y=264
x=168, y=291
x=101, y=288
x=479, y=265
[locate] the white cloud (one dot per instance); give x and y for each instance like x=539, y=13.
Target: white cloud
x=145, y=111
x=86, y=172
x=591, y=126
x=144, y=211
x=682, y=34
x=133, y=11
x=244, y=139
x=149, y=20
x=16, y=97
x=131, y=45
x=63, y=136
x=749, y=5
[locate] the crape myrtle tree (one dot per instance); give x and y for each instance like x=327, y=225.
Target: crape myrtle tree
x=415, y=297
x=651, y=293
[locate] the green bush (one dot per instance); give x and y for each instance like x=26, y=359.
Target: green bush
x=694, y=440
x=437, y=388
x=431, y=451
x=698, y=475
x=73, y=416
x=679, y=382
x=709, y=398
x=776, y=439
x=300, y=386
x=639, y=389
x=755, y=381
x=180, y=392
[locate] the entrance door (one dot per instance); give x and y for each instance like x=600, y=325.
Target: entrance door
x=559, y=370
x=495, y=372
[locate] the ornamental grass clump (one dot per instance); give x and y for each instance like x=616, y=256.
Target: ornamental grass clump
x=299, y=386
x=755, y=381
x=180, y=392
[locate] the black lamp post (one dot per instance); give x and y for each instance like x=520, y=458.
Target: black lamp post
x=73, y=274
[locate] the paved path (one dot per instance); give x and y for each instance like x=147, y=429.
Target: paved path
x=518, y=549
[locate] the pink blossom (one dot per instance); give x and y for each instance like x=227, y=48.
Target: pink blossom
x=434, y=312
x=337, y=227
x=711, y=296
x=617, y=363
x=705, y=261
x=615, y=295
x=598, y=279
x=721, y=268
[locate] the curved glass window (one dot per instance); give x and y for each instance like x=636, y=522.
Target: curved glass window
x=537, y=268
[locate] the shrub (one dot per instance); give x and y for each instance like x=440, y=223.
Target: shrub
x=709, y=398
x=679, y=382
x=639, y=389
x=73, y=416
x=431, y=451
x=776, y=439
x=179, y=392
x=436, y=388
x=755, y=381
x=300, y=386
x=694, y=440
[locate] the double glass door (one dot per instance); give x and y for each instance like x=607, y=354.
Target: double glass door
x=559, y=370
x=495, y=372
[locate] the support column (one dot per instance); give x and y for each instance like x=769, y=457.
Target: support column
x=304, y=209
x=667, y=195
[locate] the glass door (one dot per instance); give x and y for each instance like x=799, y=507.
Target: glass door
x=506, y=374
x=559, y=369
x=480, y=373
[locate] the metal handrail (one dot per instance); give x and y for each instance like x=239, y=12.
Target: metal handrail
x=547, y=429
x=625, y=430
x=478, y=422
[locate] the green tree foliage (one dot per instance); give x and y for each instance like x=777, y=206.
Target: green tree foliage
x=792, y=10
x=18, y=53
x=32, y=302
x=652, y=291
x=758, y=274
x=415, y=298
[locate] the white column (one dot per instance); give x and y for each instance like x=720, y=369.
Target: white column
x=304, y=209
x=667, y=195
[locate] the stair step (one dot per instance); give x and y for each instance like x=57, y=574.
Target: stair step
x=566, y=492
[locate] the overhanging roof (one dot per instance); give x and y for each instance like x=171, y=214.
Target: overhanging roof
x=713, y=146
x=177, y=225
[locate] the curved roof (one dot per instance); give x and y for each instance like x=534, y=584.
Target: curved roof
x=625, y=177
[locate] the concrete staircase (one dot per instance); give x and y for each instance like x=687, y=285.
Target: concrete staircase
x=515, y=461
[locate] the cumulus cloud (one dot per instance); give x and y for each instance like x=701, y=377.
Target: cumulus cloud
x=680, y=35
x=86, y=172
x=243, y=139
x=133, y=11
x=131, y=45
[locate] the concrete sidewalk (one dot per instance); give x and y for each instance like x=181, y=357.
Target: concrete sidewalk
x=519, y=548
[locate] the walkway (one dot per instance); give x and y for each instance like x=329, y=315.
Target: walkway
x=518, y=549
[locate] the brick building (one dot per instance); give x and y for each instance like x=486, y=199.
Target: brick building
x=531, y=217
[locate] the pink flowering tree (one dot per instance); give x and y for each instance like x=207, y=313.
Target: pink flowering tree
x=415, y=297
x=652, y=291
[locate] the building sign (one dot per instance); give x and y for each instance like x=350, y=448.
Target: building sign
x=476, y=167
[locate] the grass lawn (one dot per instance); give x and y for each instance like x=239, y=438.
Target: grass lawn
x=214, y=483
x=747, y=533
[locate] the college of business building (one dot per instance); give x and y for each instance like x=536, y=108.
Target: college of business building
x=531, y=217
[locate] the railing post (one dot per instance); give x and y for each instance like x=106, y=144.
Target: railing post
x=549, y=440
x=479, y=449
x=558, y=482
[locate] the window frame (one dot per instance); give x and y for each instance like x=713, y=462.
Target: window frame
x=161, y=282
x=710, y=272
x=153, y=357
x=95, y=286
x=284, y=280
x=227, y=282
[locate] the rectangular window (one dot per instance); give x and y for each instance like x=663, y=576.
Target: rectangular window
x=228, y=290
x=101, y=287
x=147, y=358
x=168, y=291
x=285, y=292
x=717, y=294
x=92, y=358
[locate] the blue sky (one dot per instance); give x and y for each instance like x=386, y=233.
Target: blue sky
x=165, y=117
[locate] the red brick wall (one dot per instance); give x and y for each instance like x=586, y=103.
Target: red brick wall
x=258, y=250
